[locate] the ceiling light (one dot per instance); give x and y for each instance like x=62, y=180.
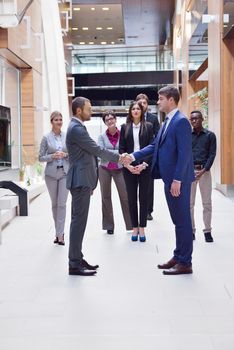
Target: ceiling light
x=109, y=28
x=76, y=9
x=112, y=42
x=103, y=42
x=74, y=28
x=82, y=43
x=92, y=8
x=105, y=8
x=85, y=28
x=99, y=28
x=91, y=43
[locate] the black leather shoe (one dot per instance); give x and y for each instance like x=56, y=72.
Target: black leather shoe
x=81, y=271
x=110, y=232
x=179, y=269
x=86, y=265
x=171, y=263
x=149, y=217
x=208, y=237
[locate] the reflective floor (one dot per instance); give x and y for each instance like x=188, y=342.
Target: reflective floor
x=129, y=304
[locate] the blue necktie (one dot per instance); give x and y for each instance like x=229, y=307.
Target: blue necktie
x=163, y=129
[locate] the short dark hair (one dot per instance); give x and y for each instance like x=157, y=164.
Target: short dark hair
x=197, y=112
x=78, y=102
x=170, y=91
x=142, y=97
x=108, y=113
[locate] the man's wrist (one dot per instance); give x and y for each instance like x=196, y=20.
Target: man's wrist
x=132, y=156
x=177, y=181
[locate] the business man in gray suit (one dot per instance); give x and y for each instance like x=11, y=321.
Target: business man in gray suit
x=82, y=179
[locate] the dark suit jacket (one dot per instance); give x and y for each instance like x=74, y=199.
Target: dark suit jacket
x=126, y=144
x=83, y=152
x=172, y=156
x=153, y=119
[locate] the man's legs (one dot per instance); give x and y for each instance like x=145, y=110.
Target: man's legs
x=192, y=204
x=205, y=184
x=179, y=208
x=80, y=209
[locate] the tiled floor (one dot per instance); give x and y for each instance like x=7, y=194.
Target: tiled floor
x=129, y=304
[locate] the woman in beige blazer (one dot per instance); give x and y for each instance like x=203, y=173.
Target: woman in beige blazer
x=53, y=151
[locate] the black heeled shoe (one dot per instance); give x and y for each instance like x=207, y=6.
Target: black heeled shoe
x=56, y=240
x=61, y=241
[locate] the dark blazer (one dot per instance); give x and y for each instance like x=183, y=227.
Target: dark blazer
x=153, y=119
x=172, y=155
x=83, y=152
x=126, y=144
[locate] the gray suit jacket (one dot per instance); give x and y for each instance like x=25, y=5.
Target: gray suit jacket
x=83, y=152
x=47, y=148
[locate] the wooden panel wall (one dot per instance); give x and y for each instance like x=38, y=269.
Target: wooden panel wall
x=221, y=80
x=221, y=105
x=227, y=111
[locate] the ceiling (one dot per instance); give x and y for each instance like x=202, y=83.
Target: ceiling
x=134, y=23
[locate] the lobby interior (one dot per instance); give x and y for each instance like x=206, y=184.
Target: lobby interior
x=109, y=51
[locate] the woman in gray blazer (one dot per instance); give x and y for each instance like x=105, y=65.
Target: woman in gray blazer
x=53, y=151
x=107, y=171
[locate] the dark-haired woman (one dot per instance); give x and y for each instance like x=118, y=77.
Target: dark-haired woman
x=108, y=171
x=134, y=135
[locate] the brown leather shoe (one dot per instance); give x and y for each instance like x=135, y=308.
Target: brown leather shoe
x=178, y=269
x=168, y=265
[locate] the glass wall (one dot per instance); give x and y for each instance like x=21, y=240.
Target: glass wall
x=131, y=61
x=10, y=98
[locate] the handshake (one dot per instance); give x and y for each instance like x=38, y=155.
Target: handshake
x=126, y=159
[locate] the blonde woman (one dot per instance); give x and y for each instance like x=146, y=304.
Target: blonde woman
x=53, y=151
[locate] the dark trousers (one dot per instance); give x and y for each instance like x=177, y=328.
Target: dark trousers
x=179, y=208
x=133, y=183
x=80, y=210
x=151, y=196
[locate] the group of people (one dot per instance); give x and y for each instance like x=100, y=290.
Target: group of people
x=133, y=156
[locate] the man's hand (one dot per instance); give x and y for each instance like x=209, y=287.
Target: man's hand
x=175, y=188
x=198, y=174
x=125, y=159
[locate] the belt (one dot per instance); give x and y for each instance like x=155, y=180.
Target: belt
x=198, y=166
x=59, y=166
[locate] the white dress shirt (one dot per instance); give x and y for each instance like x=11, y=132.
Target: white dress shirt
x=169, y=117
x=136, y=130
x=59, y=147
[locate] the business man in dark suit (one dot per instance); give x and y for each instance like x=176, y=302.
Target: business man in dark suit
x=153, y=119
x=173, y=163
x=82, y=179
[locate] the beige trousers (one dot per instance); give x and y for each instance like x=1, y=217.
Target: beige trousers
x=105, y=177
x=205, y=185
x=58, y=195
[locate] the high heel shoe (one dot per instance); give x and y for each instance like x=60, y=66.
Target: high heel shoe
x=56, y=240
x=142, y=238
x=61, y=240
x=134, y=238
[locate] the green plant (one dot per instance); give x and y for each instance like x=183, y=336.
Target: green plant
x=201, y=102
x=39, y=168
x=21, y=172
